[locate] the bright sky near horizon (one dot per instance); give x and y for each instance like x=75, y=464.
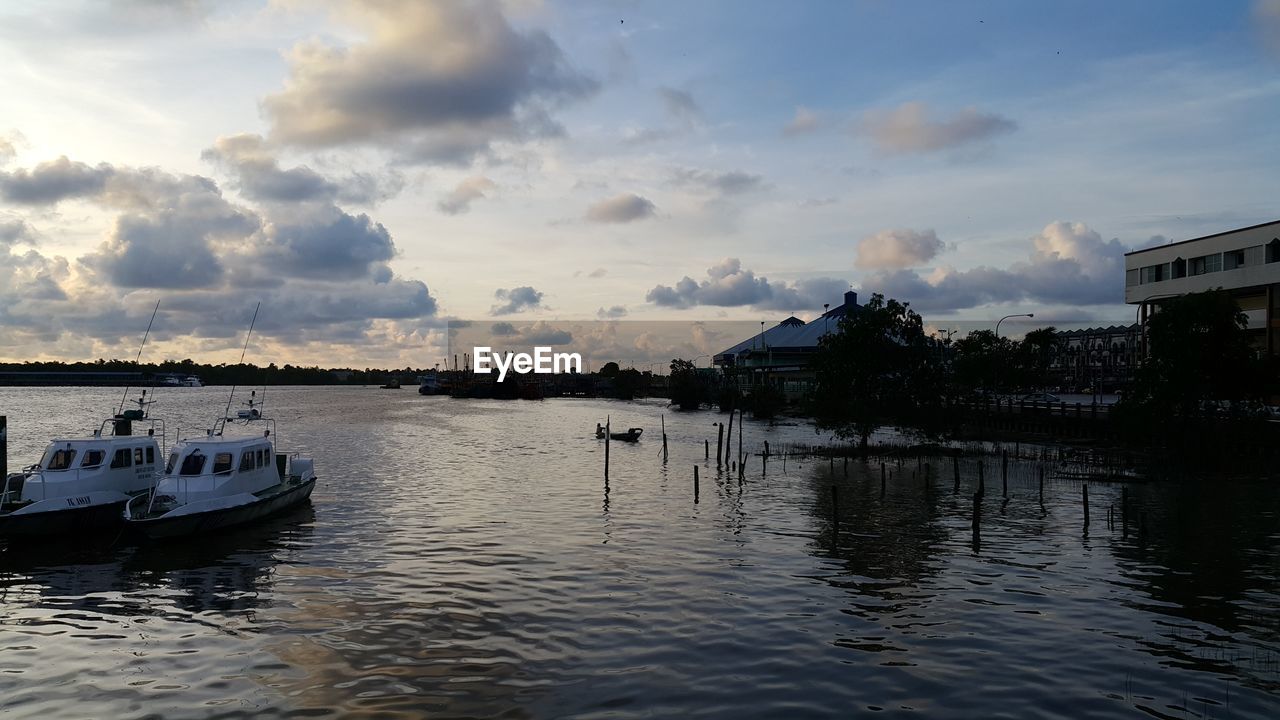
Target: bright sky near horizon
x=371, y=168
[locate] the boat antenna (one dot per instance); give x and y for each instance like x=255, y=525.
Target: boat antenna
x=227, y=413
x=139, y=358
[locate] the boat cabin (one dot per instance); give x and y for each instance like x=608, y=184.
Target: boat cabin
x=216, y=466
x=80, y=466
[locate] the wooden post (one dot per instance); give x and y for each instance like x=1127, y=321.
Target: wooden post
x=4, y=448
x=955, y=472
x=1084, y=494
x=730, y=438
x=1124, y=511
x=607, y=440
x=706, y=449
x=977, y=510
x=982, y=481
x=1004, y=472
x=742, y=421
x=664, y=438
x=1041, y=484
x=835, y=507
x=846, y=466
x=766, y=448
x=881, y=479
x=764, y=464
x=695, y=484
x=719, y=442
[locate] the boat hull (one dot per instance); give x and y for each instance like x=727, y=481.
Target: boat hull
x=167, y=526
x=78, y=520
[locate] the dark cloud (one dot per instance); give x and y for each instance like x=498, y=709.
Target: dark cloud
x=623, y=208
x=681, y=105
x=909, y=128
x=53, y=181
x=336, y=246
x=260, y=177
x=459, y=200
x=14, y=231
x=612, y=313
x=898, y=248
x=729, y=285
x=1068, y=264
x=516, y=300
x=438, y=81
x=733, y=182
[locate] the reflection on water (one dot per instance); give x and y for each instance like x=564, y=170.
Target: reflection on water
x=466, y=559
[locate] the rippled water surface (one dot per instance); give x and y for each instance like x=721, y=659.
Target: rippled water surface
x=466, y=559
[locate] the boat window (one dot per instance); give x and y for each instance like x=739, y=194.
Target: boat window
x=193, y=464
x=60, y=459
x=151, y=456
x=221, y=463
x=262, y=457
x=246, y=461
x=92, y=458
x=137, y=456
x=121, y=459
x=173, y=462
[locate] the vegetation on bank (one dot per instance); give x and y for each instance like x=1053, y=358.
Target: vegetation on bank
x=224, y=374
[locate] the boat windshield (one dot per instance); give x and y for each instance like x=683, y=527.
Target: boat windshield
x=59, y=459
x=193, y=464
x=92, y=458
x=173, y=461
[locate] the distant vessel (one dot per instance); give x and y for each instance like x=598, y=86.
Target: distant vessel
x=180, y=381
x=631, y=435
x=431, y=384
x=392, y=385
x=83, y=484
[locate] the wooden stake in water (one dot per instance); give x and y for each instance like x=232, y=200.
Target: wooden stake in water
x=729, y=444
x=882, y=479
x=742, y=422
x=835, y=507
x=719, y=442
x=982, y=481
x=955, y=472
x=606, y=448
x=4, y=448
x=1004, y=471
x=1041, y=484
x=664, y=438
x=1084, y=494
x=977, y=510
x=695, y=484
x=706, y=449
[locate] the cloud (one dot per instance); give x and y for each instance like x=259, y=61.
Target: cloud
x=803, y=122
x=898, y=248
x=53, y=181
x=680, y=105
x=9, y=143
x=1068, y=263
x=331, y=245
x=516, y=300
x=459, y=201
x=1267, y=15
x=14, y=231
x=621, y=209
x=909, y=129
x=734, y=182
x=729, y=285
x=260, y=176
x=507, y=335
x=597, y=273
x=612, y=313
x=436, y=81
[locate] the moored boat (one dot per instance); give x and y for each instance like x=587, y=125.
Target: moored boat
x=631, y=435
x=82, y=484
x=215, y=481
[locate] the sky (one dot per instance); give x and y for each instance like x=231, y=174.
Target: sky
x=370, y=170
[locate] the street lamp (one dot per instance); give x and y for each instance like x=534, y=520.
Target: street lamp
x=1006, y=317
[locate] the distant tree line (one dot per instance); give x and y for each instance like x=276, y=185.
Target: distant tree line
x=225, y=374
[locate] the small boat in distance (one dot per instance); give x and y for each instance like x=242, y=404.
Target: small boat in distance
x=631, y=435
x=392, y=385
x=82, y=484
x=178, y=381
x=431, y=384
x=214, y=481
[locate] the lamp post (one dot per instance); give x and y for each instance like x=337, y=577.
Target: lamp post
x=1006, y=317
x=1141, y=322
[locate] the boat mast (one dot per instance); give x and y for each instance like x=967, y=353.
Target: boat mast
x=139, y=358
x=227, y=413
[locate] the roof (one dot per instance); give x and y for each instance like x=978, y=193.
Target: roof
x=792, y=334
x=1202, y=237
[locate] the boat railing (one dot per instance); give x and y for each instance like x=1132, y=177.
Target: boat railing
x=152, y=425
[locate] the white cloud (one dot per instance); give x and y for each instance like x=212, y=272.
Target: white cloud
x=909, y=128
x=897, y=248
x=729, y=285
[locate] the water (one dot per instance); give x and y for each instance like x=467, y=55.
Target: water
x=464, y=559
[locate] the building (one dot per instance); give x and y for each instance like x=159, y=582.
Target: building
x=1101, y=358
x=1244, y=262
x=781, y=355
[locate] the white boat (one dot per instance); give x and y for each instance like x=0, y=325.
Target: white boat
x=83, y=484
x=215, y=481
x=190, y=381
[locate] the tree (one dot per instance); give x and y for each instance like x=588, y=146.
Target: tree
x=1033, y=356
x=609, y=370
x=688, y=389
x=878, y=367
x=982, y=361
x=1199, y=361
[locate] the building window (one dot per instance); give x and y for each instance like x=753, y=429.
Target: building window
x=1232, y=259
x=1179, y=268
x=1273, y=250
x=1153, y=273
x=1205, y=264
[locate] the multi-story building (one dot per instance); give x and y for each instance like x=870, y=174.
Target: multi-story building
x=1100, y=358
x=1244, y=262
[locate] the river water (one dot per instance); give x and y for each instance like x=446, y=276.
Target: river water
x=465, y=559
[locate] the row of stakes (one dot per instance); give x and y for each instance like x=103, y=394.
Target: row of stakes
x=739, y=466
